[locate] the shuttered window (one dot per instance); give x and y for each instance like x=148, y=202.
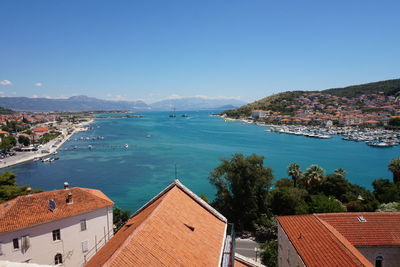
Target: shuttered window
x=85, y=246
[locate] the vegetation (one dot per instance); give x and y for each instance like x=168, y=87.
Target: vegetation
x=7, y=142
x=6, y=111
x=120, y=217
x=277, y=102
x=245, y=197
x=388, y=87
x=242, y=186
x=48, y=136
x=273, y=103
x=24, y=140
x=9, y=188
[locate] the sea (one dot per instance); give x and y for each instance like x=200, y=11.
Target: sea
x=161, y=149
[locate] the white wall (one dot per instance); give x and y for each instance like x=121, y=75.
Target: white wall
x=42, y=247
x=287, y=254
x=390, y=254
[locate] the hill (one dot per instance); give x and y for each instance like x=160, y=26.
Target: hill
x=388, y=87
x=74, y=103
x=195, y=103
x=277, y=103
x=6, y=111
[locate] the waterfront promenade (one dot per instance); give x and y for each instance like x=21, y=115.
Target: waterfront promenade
x=52, y=146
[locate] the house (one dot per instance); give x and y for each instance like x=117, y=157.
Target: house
x=55, y=227
x=339, y=239
x=175, y=228
x=41, y=130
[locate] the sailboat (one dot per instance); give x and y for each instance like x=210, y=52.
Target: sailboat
x=173, y=114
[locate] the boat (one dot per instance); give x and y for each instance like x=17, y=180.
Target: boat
x=173, y=115
x=126, y=145
x=90, y=146
x=46, y=160
x=185, y=115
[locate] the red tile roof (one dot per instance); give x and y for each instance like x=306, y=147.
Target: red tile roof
x=41, y=129
x=318, y=244
x=29, y=210
x=380, y=228
x=176, y=228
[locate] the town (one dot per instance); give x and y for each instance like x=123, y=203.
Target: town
x=26, y=136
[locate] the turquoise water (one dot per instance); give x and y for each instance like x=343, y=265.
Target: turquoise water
x=132, y=176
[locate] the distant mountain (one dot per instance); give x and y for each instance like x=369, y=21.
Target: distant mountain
x=74, y=103
x=274, y=102
x=195, y=103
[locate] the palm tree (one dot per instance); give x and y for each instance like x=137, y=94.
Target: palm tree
x=394, y=167
x=313, y=176
x=340, y=172
x=295, y=172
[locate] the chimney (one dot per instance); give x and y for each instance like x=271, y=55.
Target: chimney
x=69, y=198
x=29, y=191
x=66, y=185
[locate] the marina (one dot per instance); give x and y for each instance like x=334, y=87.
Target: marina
x=371, y=136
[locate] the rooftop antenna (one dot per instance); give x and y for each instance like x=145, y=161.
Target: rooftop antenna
x=176, y=173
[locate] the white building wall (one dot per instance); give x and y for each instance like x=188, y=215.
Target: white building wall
x=42, y=248
x=287, y=254
x=390, y=254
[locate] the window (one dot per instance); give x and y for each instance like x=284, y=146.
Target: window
x=16, y=243
x=58, y=259
x=85, y=246
x=379, y=261
x=83, y=225
x=25, y=243
x=56, y=235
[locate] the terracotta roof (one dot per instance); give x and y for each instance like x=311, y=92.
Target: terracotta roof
x=41, y=129
x=318, y=244
x=3, y=132
x=380, y=228
x=29, y=210
x=176, y=228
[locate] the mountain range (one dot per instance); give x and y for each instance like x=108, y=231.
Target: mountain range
x=196, y=103
x=85, y=103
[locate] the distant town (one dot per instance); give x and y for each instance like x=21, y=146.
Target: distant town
x=28, y=136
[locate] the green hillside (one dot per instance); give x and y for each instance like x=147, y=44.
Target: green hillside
x=389, y=87
x=6, y=111
x=277, y=102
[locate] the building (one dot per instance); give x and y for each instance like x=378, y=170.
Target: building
x=55, y=227
x=260, y=114
x=175, y=228
x=340, y=239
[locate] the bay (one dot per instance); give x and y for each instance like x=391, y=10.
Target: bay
x=132, y=176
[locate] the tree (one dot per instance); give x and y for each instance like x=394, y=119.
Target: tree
x=335, y=185
x=294, y=171
x=24, y=140
x=120, y=217
x=386, y=191
x=287, y=201
x=284, y=182
x=324, y=204
x=242, y=185
x=8, y=142
x=269, y=253
x=394, y=167
x=312, y=178
x=9, y=188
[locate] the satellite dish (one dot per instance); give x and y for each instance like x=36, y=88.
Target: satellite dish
x=52, y=205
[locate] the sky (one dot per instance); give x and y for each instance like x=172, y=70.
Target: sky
x=153, y=50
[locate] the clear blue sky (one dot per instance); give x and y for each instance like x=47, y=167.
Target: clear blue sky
x=154, y=49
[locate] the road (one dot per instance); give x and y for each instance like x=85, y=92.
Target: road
x=246, y=248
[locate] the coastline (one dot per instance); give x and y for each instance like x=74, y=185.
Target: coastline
x=52, y=146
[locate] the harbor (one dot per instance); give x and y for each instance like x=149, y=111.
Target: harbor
x=375, y=137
